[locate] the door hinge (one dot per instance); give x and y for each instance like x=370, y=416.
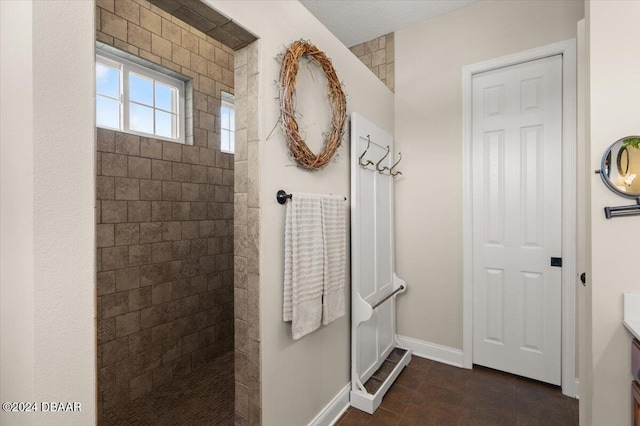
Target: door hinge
x=556, y=261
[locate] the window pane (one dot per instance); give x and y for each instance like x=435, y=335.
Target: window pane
x=224, y=118
x=140, y=118
x=107, y=81
x=224, y=140
x=232, y=120
x=165, y=124
x=232, y=142
x=165, y=96
x=107, y=112
x=140, y=89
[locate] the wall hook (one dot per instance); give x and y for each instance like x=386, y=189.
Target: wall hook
x=363, y=153
x=391, y=172
x=381, y=170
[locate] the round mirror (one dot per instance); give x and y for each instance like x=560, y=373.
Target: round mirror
x=621, y=167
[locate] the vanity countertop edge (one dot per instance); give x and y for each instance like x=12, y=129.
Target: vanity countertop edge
x=633, y=327
x=631, y=313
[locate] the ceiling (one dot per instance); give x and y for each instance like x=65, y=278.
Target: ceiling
x=357, y=21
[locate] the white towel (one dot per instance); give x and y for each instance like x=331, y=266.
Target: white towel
x=315, y=262
x=335, y=242
x=304, y=264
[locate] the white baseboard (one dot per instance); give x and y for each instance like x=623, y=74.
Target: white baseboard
x=572, y=390
x=334, y=409
x=432, y=351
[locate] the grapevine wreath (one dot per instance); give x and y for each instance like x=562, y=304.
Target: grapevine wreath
x=337, y=101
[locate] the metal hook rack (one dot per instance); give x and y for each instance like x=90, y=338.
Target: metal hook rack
x=365, y=163
x=619, y=211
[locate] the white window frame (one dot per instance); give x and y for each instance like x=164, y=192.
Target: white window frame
x=226, y=103
x=126, y=67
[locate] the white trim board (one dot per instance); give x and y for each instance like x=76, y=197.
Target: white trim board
x=433, y=351
x=568, y=51
x=334, y=409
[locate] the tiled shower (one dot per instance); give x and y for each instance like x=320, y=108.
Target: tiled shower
x=164, y=214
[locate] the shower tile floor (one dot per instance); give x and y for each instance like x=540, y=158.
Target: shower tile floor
x=430, y=393
x=203, y=397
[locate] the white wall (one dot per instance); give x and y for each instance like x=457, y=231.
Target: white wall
x=47, y=186
x=614, y=88
x=428, y=122
x=299, y=378
x=16, y=208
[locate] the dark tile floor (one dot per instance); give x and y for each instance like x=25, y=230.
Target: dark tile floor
x=429, y=393
x=203, y=397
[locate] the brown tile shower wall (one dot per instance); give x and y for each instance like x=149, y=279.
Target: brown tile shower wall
x=378, y=56
x=164, y=219
x=247, y=239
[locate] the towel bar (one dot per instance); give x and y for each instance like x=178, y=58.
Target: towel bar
x=282, y=197
x=362, y=311
x=384, y=299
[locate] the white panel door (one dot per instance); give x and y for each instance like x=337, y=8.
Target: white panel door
x=517, y=160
